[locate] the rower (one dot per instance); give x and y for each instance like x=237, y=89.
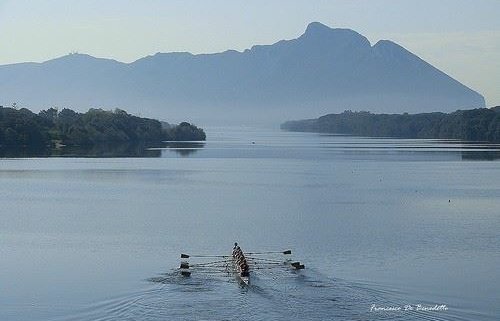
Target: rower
x=244, y=269
x=236, y=249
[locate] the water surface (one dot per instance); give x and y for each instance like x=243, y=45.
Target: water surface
x=383, y=222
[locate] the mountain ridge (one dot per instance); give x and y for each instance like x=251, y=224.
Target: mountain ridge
x=323, y=70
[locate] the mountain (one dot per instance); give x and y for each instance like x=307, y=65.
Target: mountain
x=324, y=70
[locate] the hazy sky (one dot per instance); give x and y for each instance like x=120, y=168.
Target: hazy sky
x=460, y=37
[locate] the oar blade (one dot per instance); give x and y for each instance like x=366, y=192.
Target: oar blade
x=185, y=273
x=297, y=265
x=184, y=256
x=184, y=265
x=287, y=252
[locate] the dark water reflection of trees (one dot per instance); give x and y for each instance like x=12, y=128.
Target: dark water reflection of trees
x=185, y=148
x=182, y=149
x=480, y=155
x=101, y=150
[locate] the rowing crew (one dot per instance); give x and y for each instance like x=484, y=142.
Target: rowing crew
x=241, y=260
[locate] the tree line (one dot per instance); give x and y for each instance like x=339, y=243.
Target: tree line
x=51, y=127
x=482, y=124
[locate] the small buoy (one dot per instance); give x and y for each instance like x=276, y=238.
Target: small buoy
x=253, y=142
x=449, y=201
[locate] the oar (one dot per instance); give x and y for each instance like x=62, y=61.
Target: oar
x=210, y=263
x=264, y=260
x=268, y=267
x=186, y=265
x=187, y=256
x=271, y=252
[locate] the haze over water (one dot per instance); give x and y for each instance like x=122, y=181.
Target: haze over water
x=382, y=222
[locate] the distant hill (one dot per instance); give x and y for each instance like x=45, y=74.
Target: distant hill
x=482, y=124
x=321, y=71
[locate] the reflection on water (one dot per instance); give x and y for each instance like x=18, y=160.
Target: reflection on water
x=103, y=150
x=184, y=148
x=481, y=155
x=24, y=152
x=319, y=146
x=107, y=150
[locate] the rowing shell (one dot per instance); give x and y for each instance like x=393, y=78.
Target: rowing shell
x=237, y=270
x=257, y=260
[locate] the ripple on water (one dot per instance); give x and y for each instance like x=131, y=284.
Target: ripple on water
x=276, y=295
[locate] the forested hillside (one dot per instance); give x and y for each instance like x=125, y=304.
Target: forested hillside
x=481, y=124
x=66, y=127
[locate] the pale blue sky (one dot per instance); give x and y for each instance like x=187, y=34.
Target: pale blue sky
x=460, y=37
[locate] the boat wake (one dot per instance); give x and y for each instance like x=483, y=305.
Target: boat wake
x=272, y=295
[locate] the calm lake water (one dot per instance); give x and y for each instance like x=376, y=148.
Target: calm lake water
x=377, y=222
